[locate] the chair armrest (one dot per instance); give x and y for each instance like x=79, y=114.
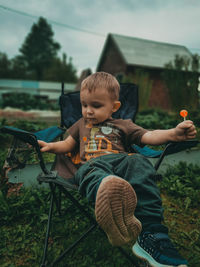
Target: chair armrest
x=147, y=151
x=49, y=134
x=175, y=147
x=26, y=137
x=171, y=148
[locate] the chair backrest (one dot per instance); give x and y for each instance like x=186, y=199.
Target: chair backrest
x=70, y=105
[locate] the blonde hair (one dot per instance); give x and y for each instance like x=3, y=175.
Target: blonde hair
x=101, y=80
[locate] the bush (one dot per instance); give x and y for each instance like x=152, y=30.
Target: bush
x=156, y=119
x=183, y=182
x=26, y=102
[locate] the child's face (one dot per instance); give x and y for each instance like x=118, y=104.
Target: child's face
x=97, y=106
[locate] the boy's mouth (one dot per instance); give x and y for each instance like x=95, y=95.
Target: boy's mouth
x=91, y=120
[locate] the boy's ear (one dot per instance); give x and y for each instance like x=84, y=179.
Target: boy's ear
x=116, y=106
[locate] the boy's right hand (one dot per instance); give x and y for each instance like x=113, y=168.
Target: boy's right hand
x=45, y=147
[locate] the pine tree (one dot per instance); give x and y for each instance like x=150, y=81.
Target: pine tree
x=39, y=49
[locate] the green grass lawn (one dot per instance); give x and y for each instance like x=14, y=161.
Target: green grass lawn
x=23, y=218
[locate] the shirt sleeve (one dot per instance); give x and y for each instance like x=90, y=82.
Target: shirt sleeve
x=74, y=131
x=134, y=133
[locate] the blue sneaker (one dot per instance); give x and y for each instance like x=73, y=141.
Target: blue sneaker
x=157, y=249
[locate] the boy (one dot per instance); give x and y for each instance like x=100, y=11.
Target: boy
x=120, y=184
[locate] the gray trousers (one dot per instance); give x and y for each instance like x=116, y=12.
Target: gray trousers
x=135, y=169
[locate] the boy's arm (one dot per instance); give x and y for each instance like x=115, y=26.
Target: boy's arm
x=64, y=146
x=183, y=131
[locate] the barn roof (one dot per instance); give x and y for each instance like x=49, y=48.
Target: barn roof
x=142, y=52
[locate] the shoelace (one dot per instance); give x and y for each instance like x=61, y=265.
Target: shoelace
x=161, y=243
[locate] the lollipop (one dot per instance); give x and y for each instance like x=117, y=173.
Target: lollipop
x=184, y=113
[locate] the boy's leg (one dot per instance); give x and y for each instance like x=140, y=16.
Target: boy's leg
x=115, y=200
x=153, y=244
x=140, y=173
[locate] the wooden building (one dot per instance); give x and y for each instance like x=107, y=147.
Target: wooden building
x=124, y=56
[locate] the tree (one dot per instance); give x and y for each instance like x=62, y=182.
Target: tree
x=181, y=77
x=4, y=66
x=39, y=49
x=19, y=68
x=61, y=70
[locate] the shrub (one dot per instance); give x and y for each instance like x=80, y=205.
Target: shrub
x=26, y=101
x=156, y=119
x=183, y=182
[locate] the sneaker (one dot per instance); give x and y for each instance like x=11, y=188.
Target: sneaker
x=114, y=210
x=157, y=250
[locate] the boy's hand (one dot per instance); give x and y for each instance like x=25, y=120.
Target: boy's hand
x=185, y=130
x=45, y=147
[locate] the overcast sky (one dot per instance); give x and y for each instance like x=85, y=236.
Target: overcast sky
x=171, y=21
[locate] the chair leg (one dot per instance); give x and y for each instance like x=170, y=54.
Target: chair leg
x=73, y=245
x=43, y=264
x=78, y=205
x=84, y=235
x=56, y=200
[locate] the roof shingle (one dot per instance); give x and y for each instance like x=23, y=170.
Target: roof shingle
x=141, y=52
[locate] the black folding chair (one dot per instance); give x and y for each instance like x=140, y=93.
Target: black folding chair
x=56, y=179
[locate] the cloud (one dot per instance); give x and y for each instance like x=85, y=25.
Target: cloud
x=166, y=21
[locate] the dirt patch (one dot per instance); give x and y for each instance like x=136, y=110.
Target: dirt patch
x=12, y=114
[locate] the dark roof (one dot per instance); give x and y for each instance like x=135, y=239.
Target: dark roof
x=142, y=52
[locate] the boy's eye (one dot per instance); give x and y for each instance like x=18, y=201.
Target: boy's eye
x=97, y=105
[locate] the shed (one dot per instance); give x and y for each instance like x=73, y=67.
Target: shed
x=123, y=55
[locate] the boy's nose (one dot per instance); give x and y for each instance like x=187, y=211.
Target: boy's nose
x=89, y=110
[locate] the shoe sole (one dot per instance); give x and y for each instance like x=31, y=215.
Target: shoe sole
x=114, y=209
x=142, y=254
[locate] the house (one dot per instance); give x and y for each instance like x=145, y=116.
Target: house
x=127, y=56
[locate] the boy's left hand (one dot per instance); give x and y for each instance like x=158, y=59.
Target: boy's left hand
x=185, y=130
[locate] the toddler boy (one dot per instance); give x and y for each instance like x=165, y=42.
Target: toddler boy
x=121, y=184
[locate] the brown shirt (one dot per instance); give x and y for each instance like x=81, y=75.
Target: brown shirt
x=110, y=136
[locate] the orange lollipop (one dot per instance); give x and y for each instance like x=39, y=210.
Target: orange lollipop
x=183, y=113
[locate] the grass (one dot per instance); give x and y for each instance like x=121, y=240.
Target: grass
x=23, y=218
x=23, y=224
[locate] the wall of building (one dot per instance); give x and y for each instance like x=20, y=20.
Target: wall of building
x=159, y=97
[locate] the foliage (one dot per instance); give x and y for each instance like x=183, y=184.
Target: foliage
x=156, y=119
x=24, y=218
x=181, y=78
x=26, y=101
x=39, y=48
x=23, y=224
x=142, y=79
x=19, y=68
x=180, y=189
x=4, y=65
x=183, y=183
x=61, y=71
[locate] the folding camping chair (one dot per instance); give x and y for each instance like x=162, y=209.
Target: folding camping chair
x=70, y=112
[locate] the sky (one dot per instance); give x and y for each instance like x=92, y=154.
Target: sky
x=81, y=26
